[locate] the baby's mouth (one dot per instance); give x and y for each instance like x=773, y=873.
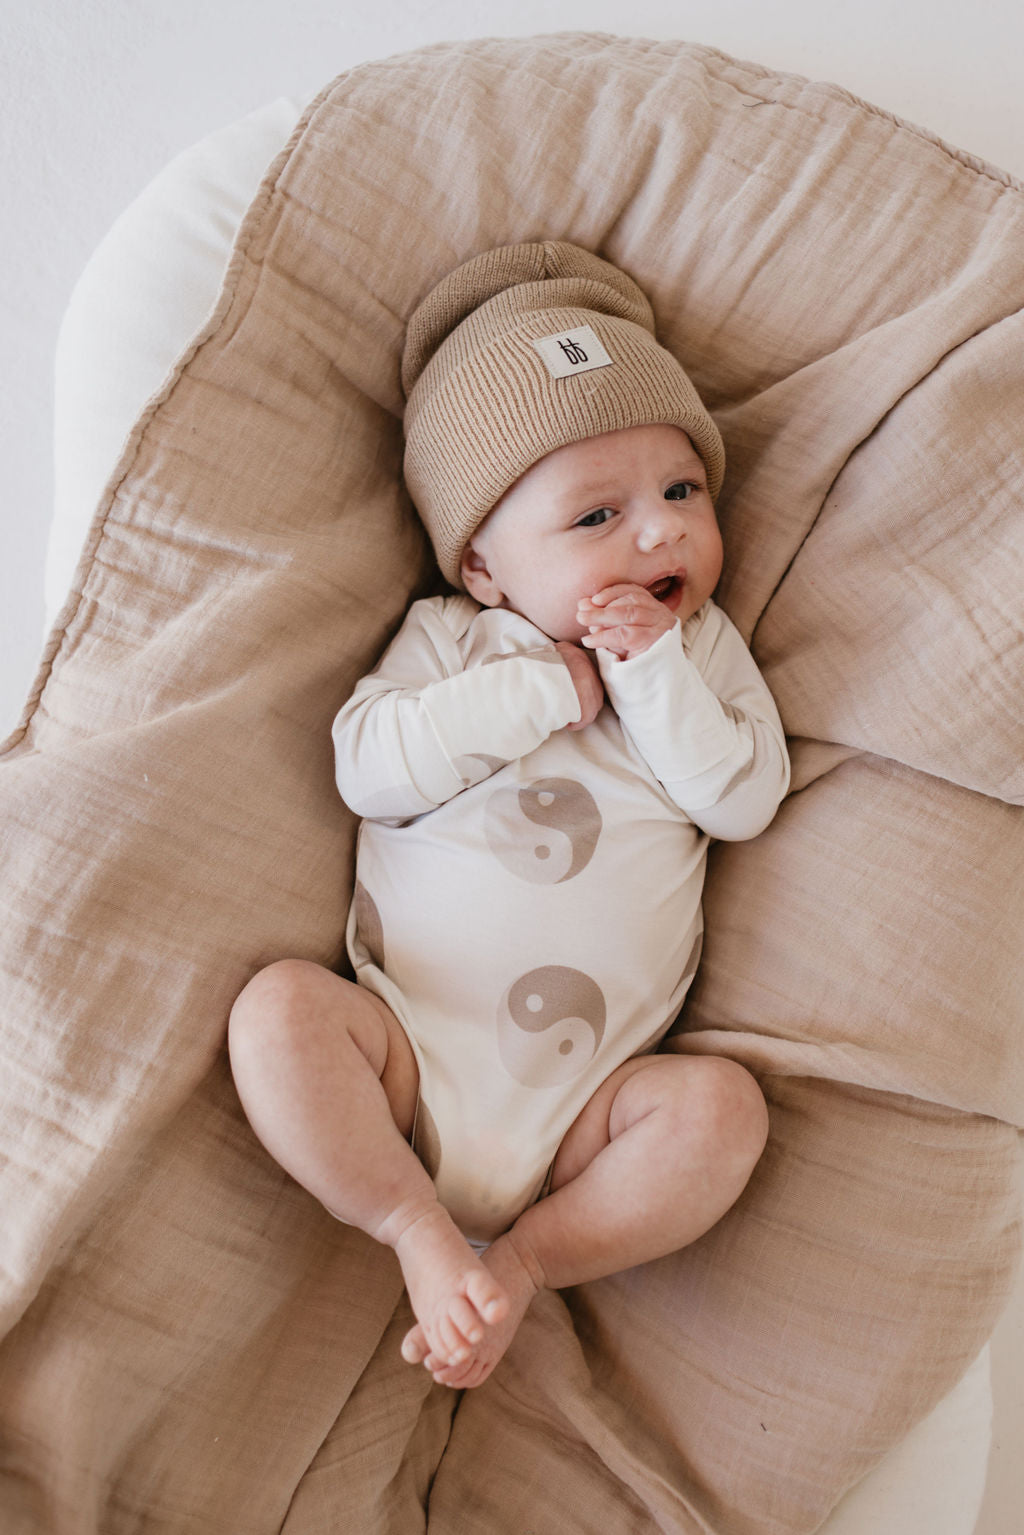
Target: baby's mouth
x=667, y=589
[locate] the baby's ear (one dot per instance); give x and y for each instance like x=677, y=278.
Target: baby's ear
x=477, y=578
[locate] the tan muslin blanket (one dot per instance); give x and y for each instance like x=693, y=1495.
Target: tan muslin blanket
x=191, y=1343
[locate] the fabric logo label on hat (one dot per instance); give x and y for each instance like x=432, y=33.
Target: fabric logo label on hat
x=572, y=351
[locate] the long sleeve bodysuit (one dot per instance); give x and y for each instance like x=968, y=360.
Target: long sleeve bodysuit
x=527, y=898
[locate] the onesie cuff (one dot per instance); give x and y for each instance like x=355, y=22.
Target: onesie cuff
x=674, y=718
x=502, y=711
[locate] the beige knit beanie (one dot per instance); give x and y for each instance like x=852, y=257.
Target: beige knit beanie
x=516, y=353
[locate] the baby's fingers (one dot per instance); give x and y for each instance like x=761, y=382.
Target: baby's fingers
x=628, y=605
x=612, y=593
x=628, y=638
x=622, y=640
x=623, y=619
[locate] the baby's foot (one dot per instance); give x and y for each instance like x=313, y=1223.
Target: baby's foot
x=455, y=1298
x=507, y=1268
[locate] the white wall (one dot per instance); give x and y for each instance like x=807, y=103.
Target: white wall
x=97, y=95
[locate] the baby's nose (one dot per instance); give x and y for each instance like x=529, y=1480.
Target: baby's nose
x=662, y=524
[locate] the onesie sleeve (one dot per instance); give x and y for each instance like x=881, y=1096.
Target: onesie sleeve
x=436, y=716
x=701, y=716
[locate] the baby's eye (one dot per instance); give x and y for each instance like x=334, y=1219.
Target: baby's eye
x=595, y=518
x=682, y=490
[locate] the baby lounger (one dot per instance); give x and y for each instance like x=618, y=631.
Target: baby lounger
x=190, y=1339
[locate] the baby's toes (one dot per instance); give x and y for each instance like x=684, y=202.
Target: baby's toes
x=487, y=1295
x=449, y=1342
x=461, y=1377
x=466, y=1319
x=444, y=1372
x=414, y=1346
x=453, y=1375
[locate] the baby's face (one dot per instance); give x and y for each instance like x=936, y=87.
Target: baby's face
x=630, y=506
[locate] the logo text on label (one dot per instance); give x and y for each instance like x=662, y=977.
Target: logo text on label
x=572, y=351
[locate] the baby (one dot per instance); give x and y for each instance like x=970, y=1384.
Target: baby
x=540, y=761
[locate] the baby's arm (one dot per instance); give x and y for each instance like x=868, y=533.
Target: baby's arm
x=428, y=722
x=704, y=722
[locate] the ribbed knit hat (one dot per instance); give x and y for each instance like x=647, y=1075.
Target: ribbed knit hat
x=519, y=352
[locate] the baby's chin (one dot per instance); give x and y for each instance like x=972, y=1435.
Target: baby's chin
x=569, y=633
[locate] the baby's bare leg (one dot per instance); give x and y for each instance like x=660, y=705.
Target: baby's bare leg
x=662, y=1150
x=329, y=1083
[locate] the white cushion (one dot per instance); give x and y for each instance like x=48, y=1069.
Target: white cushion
x=146, y=291
x=934, y=1482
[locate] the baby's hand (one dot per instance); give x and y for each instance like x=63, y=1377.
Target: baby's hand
x=586, y=680
x=624, y=619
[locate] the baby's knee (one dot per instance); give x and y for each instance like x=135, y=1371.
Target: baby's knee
x=718, y=1100
x=270, y=1001
x=744, y=1108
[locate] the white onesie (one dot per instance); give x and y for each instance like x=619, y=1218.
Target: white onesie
x=528, y=898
